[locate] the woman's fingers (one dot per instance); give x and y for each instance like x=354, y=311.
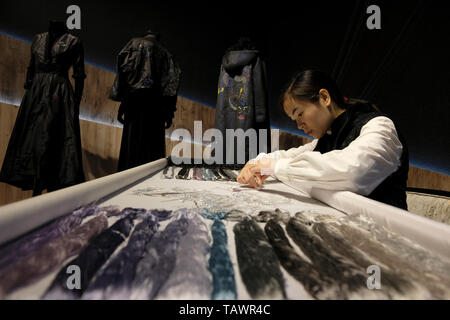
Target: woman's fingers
x=239, y=177
x=258, y=180
x=256, y=176
x=251, y=179
x=243, y=176
x=251, y=174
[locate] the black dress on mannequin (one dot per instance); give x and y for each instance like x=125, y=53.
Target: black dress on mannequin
x=44, y=151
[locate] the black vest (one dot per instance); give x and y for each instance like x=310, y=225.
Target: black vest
x=346, y=128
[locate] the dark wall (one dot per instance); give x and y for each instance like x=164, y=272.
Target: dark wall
x=403, y=68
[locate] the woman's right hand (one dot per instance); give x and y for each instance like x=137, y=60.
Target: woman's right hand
x=252, y=172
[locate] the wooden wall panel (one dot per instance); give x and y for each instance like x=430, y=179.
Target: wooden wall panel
x=95, y=104
x=288, y=140
x=8, y=114
x=426, y=179
x=15, y=55
x=100, y=144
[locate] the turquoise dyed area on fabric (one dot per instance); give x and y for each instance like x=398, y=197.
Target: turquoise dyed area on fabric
x=206, y=175
x=224, y=285
x=214, y=215
x=220, y=265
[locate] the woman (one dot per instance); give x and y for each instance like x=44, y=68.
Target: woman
x=356, y=147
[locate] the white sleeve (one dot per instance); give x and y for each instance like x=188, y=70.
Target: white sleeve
x=360, y=167
x=291, y=153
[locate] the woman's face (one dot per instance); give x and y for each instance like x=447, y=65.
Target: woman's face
x=313, y=118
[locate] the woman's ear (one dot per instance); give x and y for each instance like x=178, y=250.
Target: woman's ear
x=324, y=98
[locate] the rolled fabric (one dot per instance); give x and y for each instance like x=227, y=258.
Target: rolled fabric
x=181, y=173
x=186, y=174
x=236, y=215
x=168, y=172
x=217, y=175
x=225, y=176
x=277, y=215
x=206, y=175
x=230, y=174
x=197, y=174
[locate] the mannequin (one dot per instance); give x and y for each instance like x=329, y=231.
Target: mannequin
x=44, y=151
x=242, y=101
x=55, y=30
x=146, y=84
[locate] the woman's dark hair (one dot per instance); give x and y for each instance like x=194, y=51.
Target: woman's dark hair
x=306, y=84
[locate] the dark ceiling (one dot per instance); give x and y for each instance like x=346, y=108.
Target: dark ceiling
x=404, y=67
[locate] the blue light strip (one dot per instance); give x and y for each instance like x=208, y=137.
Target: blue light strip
x=15, y=36
x=419, y=164
x=168, y=136
x=86, y=118
x=6, y=101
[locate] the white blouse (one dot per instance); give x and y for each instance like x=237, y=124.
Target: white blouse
x=360, y=167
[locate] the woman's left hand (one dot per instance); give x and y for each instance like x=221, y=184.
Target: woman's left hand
x=256, y=171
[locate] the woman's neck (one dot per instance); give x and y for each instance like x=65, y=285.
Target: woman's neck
x=336, y=111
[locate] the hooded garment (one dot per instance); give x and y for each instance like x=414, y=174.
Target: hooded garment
x=147, y=83
x=44, y=151
x=242, y=98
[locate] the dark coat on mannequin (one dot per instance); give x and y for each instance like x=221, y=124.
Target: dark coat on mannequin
x=147, y=83
x=44, y=151
x=242, y=95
